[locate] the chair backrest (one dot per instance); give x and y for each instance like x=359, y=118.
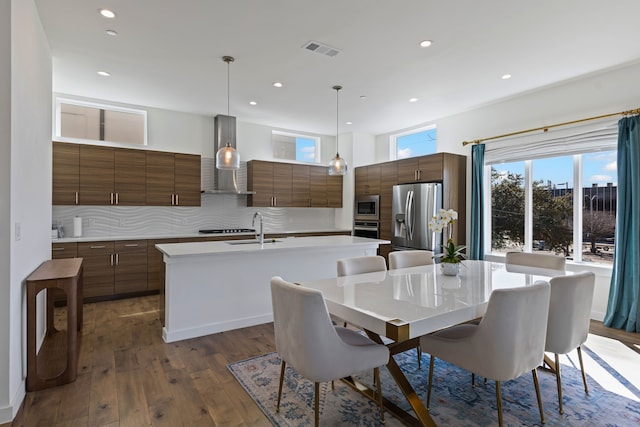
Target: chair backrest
x=360, y=265
x=511, y=335
x=413, y=258
x=549, y=261
x=569, y=311
x=305, y=336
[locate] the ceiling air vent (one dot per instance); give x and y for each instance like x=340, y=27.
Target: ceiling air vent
x=322, y=49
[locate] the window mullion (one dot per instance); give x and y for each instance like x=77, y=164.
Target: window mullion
x=577, y=208
x=528, y=206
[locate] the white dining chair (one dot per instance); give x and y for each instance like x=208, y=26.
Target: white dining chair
x=529, y=259
x=508, y=341
x=410, y=258
x=318, y=350
x=361, y=265
x=569, y=318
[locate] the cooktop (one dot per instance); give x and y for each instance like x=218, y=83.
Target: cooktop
x=226, y=230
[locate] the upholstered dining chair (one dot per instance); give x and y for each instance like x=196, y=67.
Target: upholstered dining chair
x=319, y=351
x=529, y=259
x=360, y=265
x=410, y=258
x=568, y=324
x=508, y=341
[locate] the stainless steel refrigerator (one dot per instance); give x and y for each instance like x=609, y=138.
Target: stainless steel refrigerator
x=414, y=205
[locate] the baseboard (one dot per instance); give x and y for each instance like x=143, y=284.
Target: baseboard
x=8, y=413
x=214, y=328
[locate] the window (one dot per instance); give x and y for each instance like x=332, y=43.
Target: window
x=554, y=191
x=79, y=121
x=564, y=205
x=302, y=148
x=414, y=143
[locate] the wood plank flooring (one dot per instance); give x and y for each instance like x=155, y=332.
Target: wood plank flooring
x=127, y=376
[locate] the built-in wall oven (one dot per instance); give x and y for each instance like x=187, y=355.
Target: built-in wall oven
x=366, y=218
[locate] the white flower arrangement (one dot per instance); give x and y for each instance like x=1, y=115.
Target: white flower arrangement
x=442, y=220
x=452, y=254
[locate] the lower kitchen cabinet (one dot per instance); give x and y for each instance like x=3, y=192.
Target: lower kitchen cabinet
x=98, y=273
x=130, y=266
x=155, y=264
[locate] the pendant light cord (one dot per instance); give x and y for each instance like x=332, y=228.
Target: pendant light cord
x=337, y=89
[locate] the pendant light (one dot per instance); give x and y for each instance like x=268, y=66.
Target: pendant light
x=338, y=165
x=227, y=157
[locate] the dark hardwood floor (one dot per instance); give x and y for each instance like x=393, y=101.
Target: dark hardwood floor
x=127, y=376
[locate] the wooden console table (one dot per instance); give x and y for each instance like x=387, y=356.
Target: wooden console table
x=42, y=369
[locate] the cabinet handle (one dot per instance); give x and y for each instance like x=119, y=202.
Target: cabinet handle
x=57, y=249
x=117, y=198
x=97, y=247
x=172, y=200
x=131, y=245
x=111, y=199
x=111, y=258
x=76, y=197
x=117, y=259
x=177, y=199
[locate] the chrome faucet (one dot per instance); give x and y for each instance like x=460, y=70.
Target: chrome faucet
x=253, y=221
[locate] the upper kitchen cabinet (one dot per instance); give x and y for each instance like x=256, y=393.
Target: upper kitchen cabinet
x=278, y=184
x=426, y=168
x=272, y=182
x=172, y=179
x=96, y=175
x=367, y=180
x=66, y=174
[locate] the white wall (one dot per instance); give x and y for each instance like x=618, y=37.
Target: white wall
x=29, y=193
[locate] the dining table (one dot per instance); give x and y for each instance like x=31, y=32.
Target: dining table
x=397, y=307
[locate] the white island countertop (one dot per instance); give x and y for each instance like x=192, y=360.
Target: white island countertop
x=217, y=286
x=176, y=250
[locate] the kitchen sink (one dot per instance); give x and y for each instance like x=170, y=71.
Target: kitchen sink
x=251, y=242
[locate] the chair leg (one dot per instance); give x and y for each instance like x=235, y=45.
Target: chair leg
x=559, y=382
x=376, y=376
x=584, y=377
x=537, y=385
x=316, y=404
x=431, y=363
x=499, y=402
x=473, y=380
x=419, y=351
x=282, y=367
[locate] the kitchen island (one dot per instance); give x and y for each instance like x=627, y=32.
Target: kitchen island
x=213, y=287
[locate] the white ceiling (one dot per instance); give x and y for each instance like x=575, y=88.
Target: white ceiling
x=168, y=54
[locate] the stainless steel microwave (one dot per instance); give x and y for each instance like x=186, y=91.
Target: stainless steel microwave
x=367, y=208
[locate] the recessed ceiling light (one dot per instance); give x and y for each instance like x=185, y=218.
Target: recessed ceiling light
x=112, y=32
x=413, y=99
x=506, y=76
x=103, y=74
x=349, y=123
x=253, y=103
x=425, y=43
x=363, y=96
x=107, y=13
x=277, y=84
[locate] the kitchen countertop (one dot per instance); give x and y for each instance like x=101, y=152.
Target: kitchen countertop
x=178, y=250
x=181, y=236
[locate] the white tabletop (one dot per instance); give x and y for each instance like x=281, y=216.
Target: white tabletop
x=411, y=302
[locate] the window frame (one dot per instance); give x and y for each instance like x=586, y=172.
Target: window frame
x=57, y=129
x=393, y=141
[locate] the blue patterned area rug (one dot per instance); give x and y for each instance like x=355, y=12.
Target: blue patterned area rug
x=454, y=402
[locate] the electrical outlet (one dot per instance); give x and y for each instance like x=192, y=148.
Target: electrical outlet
x=18, y=231
x=91, y=222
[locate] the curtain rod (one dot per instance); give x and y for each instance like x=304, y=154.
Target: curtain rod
x=546, y=128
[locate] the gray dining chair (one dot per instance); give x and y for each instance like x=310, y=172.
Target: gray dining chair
x=529, y=259
x=318, y=350
x=508, y=341
x=361, y=265
x=569, y=318
x=409, y=258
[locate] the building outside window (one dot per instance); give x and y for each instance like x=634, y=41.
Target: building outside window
x=414, y=143
x=290, y=146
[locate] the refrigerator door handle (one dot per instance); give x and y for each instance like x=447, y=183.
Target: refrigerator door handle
x=411, y=211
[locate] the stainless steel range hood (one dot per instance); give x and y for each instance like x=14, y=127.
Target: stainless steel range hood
x=226, y=181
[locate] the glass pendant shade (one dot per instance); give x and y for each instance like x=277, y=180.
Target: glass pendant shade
x=338, y=166
x=228, y=158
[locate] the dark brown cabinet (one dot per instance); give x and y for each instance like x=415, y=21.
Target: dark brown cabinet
x=279, y=184
x=98, y=274
x=367, y=180
x=155, y=264
x=172, y=179
x=421, y=169
x=97, y=175
x=130, y=266
x=66, y=173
